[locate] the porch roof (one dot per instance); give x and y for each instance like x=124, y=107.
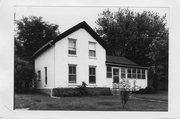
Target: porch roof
x=121, y=61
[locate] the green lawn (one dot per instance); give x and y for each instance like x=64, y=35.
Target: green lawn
x=100, y=103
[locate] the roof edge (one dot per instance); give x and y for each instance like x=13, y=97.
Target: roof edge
x=126, y=65
x=40, y=50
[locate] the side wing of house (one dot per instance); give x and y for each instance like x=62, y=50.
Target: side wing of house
x=44, y=68
x=79, y=58
x=120, y=68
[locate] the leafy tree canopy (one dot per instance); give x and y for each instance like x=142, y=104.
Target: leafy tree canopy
x=32, y=33
x=130, y=34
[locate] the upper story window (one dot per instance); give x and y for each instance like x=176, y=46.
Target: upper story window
x=72, y=46
x=92, y=49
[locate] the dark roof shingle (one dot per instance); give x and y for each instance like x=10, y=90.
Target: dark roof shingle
x=119, y=60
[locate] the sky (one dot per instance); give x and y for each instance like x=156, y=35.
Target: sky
x=67, y=17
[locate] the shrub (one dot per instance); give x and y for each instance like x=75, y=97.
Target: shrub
x=80, y=91
x=65, y=92
x=150, y=90
x=23, y=75
x=83, y=89
x=147, y=90
x=142, y=91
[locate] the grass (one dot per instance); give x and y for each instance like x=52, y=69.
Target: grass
x=160, y=95
x=100, y=103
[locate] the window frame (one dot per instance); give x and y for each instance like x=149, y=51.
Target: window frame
x=143, y=74
x=92, y=75
x=129, y=73
x=123, y=73
x=108, y=72
x=38, y=75
x=72, y=74
x=70, y=48
x=45, y=72
x=90, y=42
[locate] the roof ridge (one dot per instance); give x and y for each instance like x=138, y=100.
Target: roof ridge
x=82, y=24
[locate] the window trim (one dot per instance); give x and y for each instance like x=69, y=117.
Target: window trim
x=70, y=47
x=39, y=75
x=45, y=74
x=91, y=66
x=137, y=75
x=92, y=57
x=72, y=82
x=124, y=72
x=108, y=72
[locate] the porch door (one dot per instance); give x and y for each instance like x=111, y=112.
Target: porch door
x=115, y=75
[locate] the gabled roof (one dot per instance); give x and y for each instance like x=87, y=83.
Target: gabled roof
x=83, y=25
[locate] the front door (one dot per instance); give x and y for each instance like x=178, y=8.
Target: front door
x=115, y=75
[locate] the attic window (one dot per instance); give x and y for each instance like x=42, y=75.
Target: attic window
x=72, y=46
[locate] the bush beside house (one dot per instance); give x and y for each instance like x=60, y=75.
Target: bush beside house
x=79, y=91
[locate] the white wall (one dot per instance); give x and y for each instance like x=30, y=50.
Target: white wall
x=82, y=60
x=46, y=59
x=58, y=56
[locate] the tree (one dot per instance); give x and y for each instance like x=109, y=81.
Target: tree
x=159, y=55
x=23, y=75
x=129, y=34
x=30, y=34
x=141, y=37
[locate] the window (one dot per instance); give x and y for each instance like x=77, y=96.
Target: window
x=92, y=49
x=139, y=76
x=123, y=73
x=45, y=68
x=38, y=75
x=92, y=74
x=115, y=75
x=72, y=46
x=134, y=73
x=143, y=74
x=129, y=73
x=72, y=73
x=109, y=72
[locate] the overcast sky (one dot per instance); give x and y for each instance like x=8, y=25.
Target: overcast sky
x=67, y=17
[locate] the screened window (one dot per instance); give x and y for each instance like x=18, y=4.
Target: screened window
x=129, y=73
x=72, y=73
x=92, y=49
x=133, y=73
x=139, y=76
x=92, y=74
x=123, y=73
x=72, y=46
x=109, y=72
x=45, y=68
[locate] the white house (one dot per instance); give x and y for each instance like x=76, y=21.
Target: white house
x=79, y=55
